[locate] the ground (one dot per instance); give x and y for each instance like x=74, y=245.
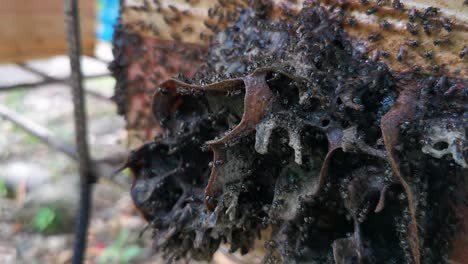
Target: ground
x=38, y=185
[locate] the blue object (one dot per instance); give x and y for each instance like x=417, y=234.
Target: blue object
x=107, y=14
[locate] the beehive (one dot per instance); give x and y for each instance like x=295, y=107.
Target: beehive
x=157, y=39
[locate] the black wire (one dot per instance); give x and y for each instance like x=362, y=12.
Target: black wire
x=87, y=177
x=82, y=223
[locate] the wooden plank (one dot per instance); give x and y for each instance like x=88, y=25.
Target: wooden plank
x=33, y=29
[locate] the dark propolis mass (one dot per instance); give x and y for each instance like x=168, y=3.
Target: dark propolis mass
x=290, y=125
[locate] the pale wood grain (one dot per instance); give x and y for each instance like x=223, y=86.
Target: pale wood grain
x=33, y=29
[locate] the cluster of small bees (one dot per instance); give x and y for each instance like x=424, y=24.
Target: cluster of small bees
x=179, y=21
x=427, y=33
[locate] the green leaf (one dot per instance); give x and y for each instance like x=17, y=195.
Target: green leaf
x=121, y=237
x=3, y=189
x=126, y=172
x=44, y=218
x=130, y=253
x=109, y=255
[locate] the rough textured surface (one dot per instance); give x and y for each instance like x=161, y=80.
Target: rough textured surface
x=425, y=35
x=289, y=124
x=140, y=65
x=408, y=35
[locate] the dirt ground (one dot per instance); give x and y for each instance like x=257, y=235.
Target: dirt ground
x=38, y=185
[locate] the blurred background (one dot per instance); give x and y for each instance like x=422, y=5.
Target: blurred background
x=39, y=180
